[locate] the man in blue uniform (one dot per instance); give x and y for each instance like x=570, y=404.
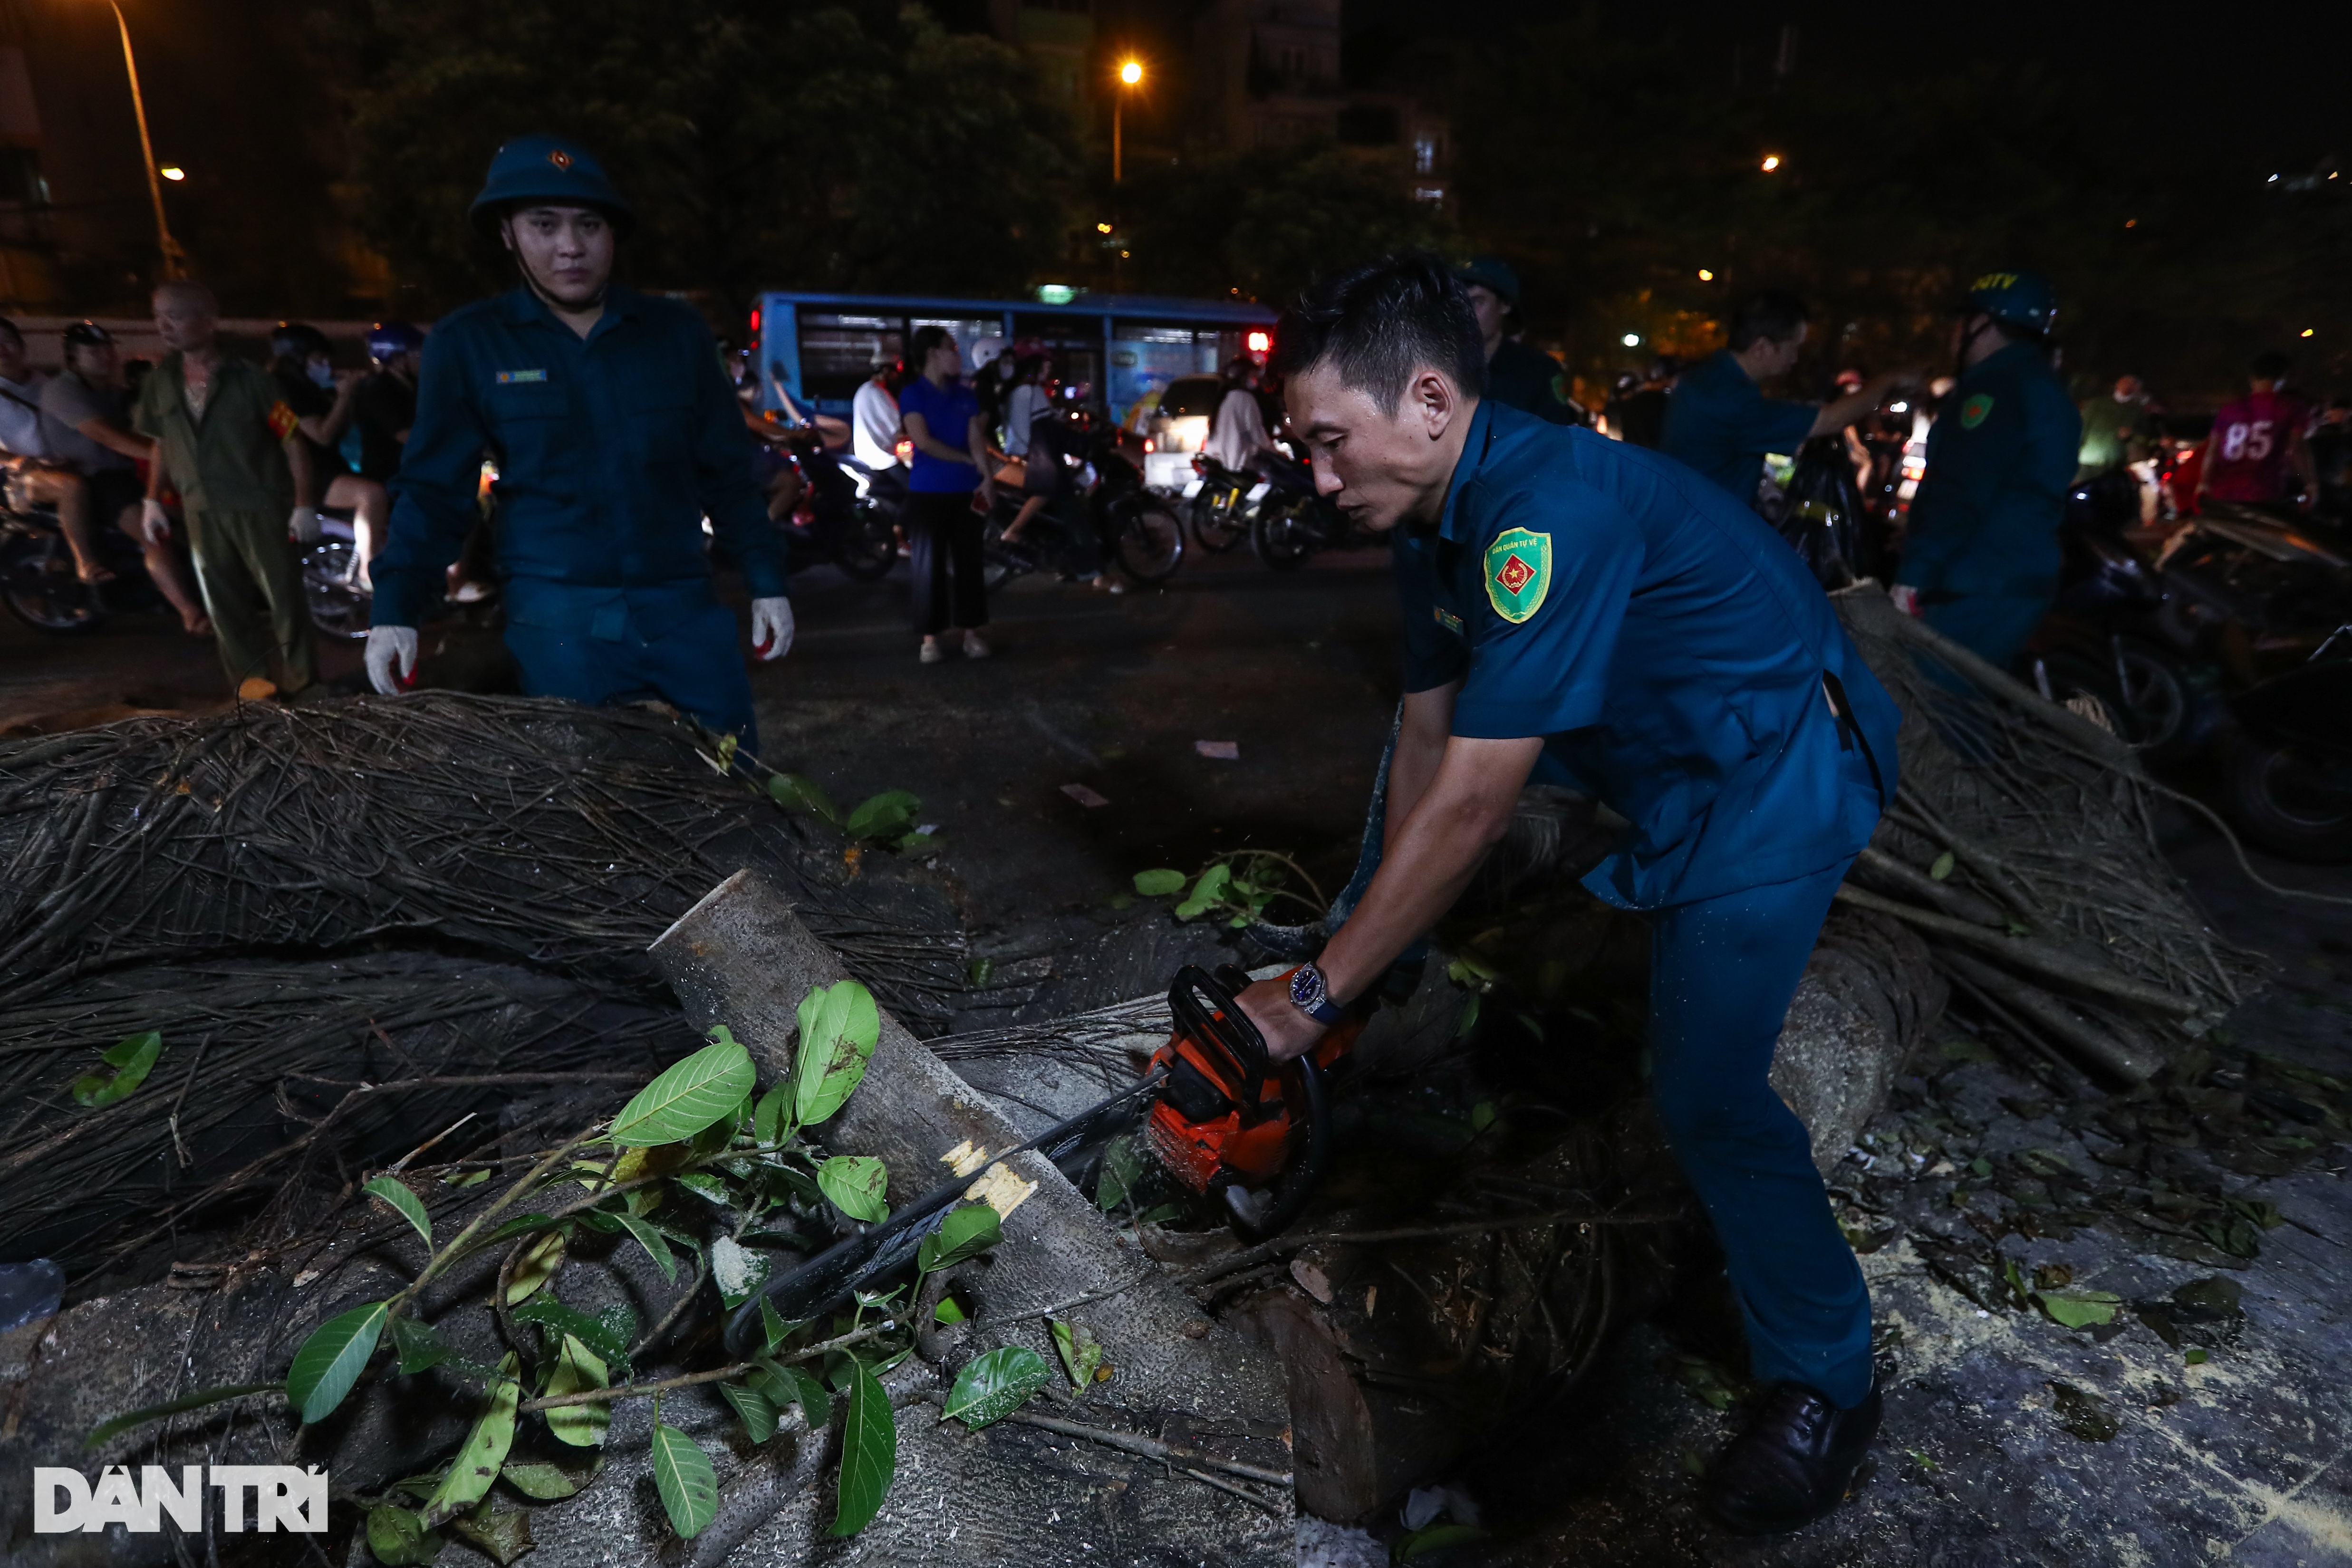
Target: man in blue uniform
x=1519, y=375
x=1600, y=608
x=614, y=434
x=1719, y=421
x=1981, y=555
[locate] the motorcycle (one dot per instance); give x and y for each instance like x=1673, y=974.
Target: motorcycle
x=2287, y=769
x=43, y=589
x=1141, y=531
x=339, y=606
x=1218, y=502
x=841, y=511
x=1291, y=520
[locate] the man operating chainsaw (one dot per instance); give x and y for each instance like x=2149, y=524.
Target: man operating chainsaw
x=1602, y=614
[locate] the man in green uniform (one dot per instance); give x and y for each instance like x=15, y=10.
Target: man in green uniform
x=1980, y=558
x=1516, y=375
x=221, y=429
x=2118, y=430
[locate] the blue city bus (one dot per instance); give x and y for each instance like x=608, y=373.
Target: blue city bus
x=1110, y=351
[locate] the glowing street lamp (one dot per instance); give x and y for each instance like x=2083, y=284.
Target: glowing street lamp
x=1130, y=76
x=1706, y=275
x=1771, y=161
x=174, y=258
x=172, y=173
x=1631, y=340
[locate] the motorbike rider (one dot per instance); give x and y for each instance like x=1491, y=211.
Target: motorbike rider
x=1719, y=421
x=1597, y=609
x=326, y=401
x=2257, y=442
x=614, y=432
x=874, y=432
x=1238, y=431
x=35, y=477
x=1980, y=557
x=86, y=422
x=1517, y=376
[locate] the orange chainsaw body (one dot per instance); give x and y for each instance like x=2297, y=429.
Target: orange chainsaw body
x=1217, y=1120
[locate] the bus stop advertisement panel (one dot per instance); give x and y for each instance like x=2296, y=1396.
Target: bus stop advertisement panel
x=1145, y=357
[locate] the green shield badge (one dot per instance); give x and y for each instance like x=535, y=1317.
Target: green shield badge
x=1973, y=412
x=1519, y=573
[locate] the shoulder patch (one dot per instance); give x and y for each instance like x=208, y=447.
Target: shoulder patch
x=1973, y=412
x=1519, y=573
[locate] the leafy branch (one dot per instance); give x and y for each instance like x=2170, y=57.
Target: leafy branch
x=1239, y=887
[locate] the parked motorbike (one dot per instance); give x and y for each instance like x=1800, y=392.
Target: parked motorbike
x=2288, y=766
x=841, y=512
x=1291, y=521
x=339, y=606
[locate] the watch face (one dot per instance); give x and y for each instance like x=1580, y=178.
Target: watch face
x=1307, y=987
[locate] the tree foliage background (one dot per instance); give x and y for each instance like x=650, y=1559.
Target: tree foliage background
x=850, y=144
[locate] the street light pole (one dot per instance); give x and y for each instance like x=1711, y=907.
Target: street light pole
x=174, y=258
x=1129, y=73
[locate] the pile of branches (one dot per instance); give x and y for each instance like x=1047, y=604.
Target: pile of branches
x=563, y=837
x=2022, y=847
x=353, y=924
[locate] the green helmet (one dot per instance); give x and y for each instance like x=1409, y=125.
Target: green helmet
x=2020, y=300
x=551, y=170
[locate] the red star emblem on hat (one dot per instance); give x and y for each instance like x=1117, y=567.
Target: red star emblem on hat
x=1515, y=575
x=559, y=158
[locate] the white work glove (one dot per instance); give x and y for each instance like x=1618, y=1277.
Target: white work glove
x=771, y=627
x=391, y=658
x=155, y=521
x=304, y=526
x=1906, y=598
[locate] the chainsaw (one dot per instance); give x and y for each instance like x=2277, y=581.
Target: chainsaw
x=1218, y=1113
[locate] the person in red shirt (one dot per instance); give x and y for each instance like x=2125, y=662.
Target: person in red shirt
x=2257, y=441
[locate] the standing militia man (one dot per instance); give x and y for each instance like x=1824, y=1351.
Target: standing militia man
x=1603, y=608
x=614, y=432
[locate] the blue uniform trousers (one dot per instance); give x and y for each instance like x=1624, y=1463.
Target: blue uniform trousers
x=695, y=666
x=1722, y=973
x=1992, y=626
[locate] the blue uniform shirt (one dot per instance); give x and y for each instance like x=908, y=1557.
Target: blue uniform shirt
x=948, y=413
x=610, y=449
x=2001, y=461
x=1670, y=648
x=1719, y=423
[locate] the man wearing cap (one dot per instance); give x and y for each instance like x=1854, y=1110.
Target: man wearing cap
x=614, y=434
x=1981, y=554
x=1516, y=375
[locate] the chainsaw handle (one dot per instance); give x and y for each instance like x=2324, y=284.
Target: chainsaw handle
x=1209, y=1012
x=1298, y=1180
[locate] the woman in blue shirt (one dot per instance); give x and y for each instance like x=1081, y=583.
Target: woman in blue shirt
x=938, y=412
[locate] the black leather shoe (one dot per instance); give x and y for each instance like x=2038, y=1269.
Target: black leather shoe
x=1792, y=1464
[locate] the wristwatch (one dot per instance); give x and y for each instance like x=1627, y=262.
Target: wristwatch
x=1311, y=995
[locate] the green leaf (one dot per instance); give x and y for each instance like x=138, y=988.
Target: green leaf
x=966, y=1233
x=682, y=1474
x=946, y=1312
x=1159, y=882
x=419, y=1345
x=993, y=1386
x=195, y=1401
x=2196, y=1357
x=869, y=1453
x=772, y=1328
x=1081, y=1353
x=331, y=1360
x=1482, y=1116
x=856, y=1183
x=650, y=1238
x=785, y=1386
x=2080, y=1309
x=1943, y=866
x=395, y=1192
x=1436, y=1538
x=688, y=1097
x=399, y=1539
x=504, y=1536
x=132, y=1057
x=752, y=1406
x=577, y=1370
x=737, y=1271
x=801, y=793
x=703, y=1185
x=772, y=1119
x=1205, y=892
x=536, y=1266
x=1122, y=1167
x=465, y=1178
x=476, y=1464
x=840, y=1026
x=885, y=815
x=978, y=971
x=607, y=1334
x=535, y=1479
x=508, y=1231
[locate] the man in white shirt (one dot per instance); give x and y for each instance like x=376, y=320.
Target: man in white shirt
x=873, y=421
x=1238, y=432
x=24, y=451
